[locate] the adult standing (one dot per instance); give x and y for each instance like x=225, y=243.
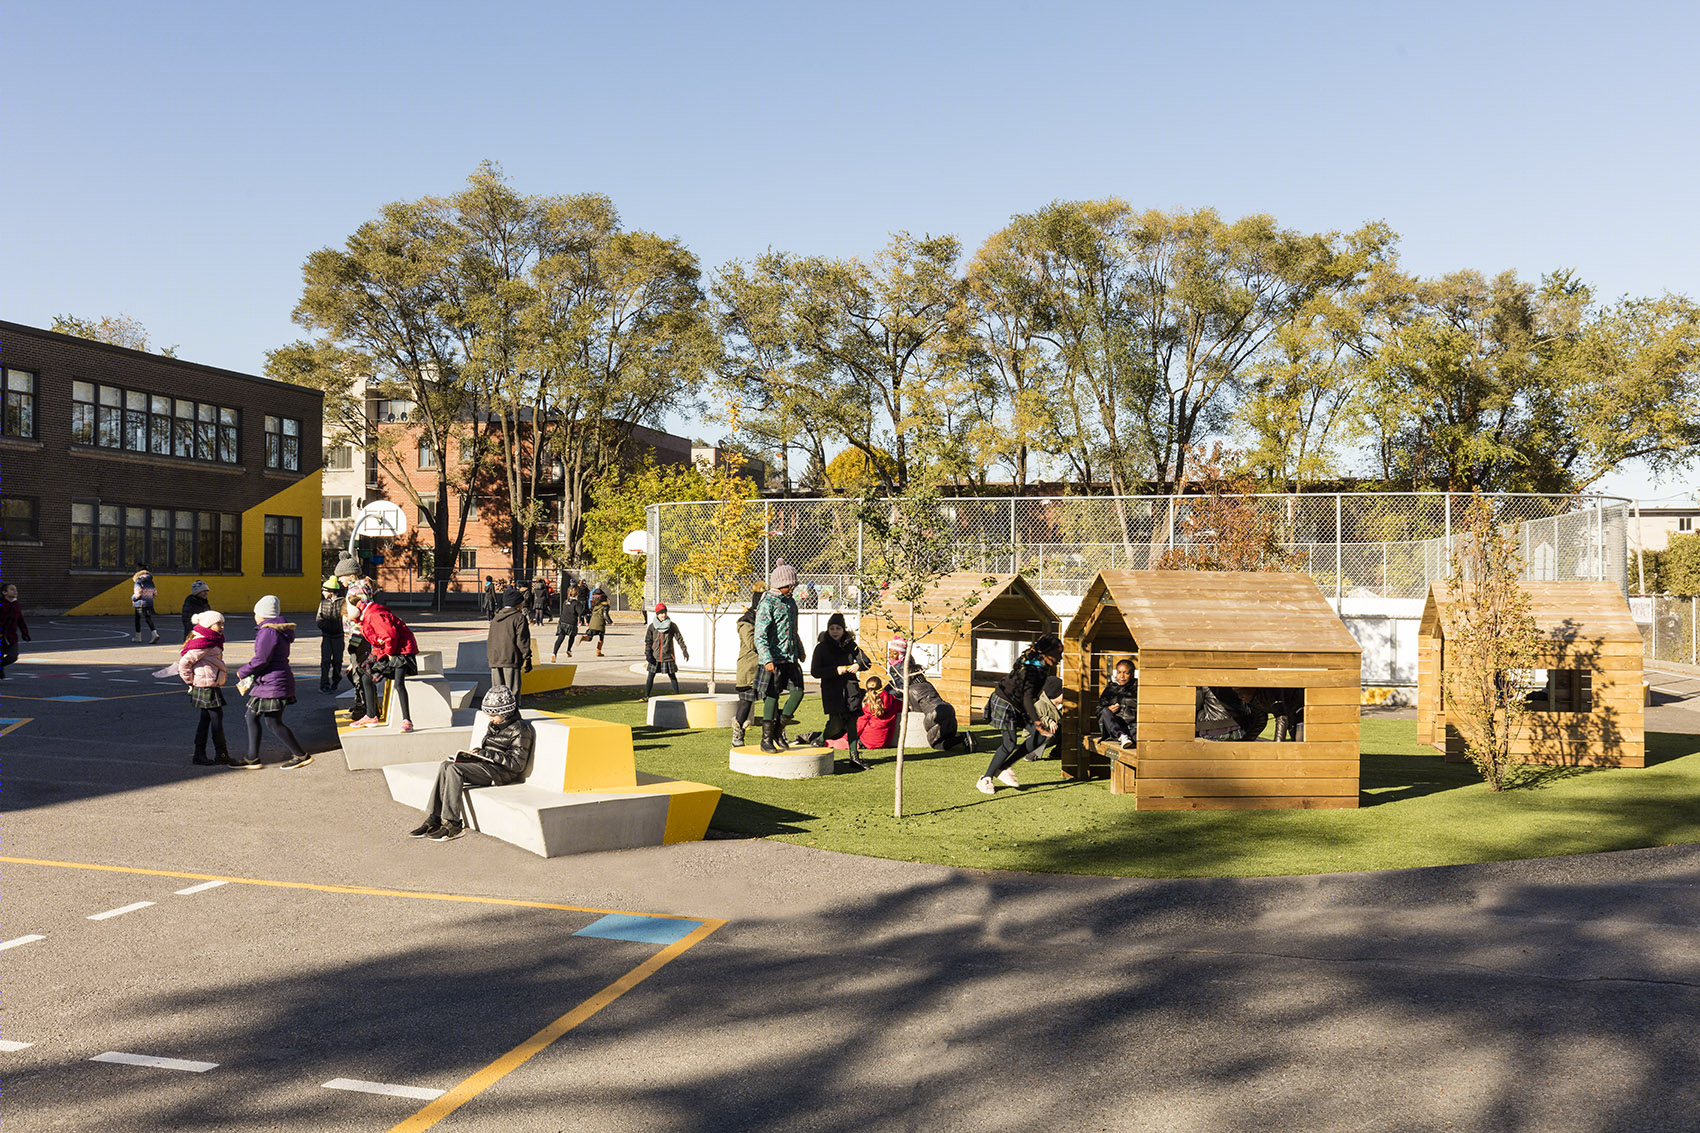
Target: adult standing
x=487, y=600
x=748, y=664
x=660, y=641
x=269, y=684
x=781, y=654
x=508, y=647
x=199, y=601
x=838, y=665
x=142, y=595
x=539, y=600
x=12, y=625
x=393, y=656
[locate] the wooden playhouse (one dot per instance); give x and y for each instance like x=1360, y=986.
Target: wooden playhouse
x=1004, y=617
x=1238, y=629
x=1591, y=712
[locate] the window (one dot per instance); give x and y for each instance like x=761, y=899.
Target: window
x=135, y=421
x=427, y=506
x=20, y=519
x=1685, y=523
x=394, y=410
x=337, y=507
x=159, y=537
x=471, y=509
x=229, y=429
x=468, y=452
x=339, y=459
x=283, y=443
x=136, y=535
x=159, y=425
x=19, y=419
x=82, y=535
x=1567, y=690
x=82, y=413
x=283, y=544
x=469, y=559
x=230, y=542
x=109, y=417
x=427, y=454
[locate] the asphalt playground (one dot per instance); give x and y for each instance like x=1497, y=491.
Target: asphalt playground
x=190, y=948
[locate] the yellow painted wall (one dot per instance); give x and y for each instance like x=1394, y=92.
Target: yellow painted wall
x=237, y=593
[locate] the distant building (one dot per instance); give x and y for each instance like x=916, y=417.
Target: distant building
x=1650, y=527
x=111, y=456
x=743, y=464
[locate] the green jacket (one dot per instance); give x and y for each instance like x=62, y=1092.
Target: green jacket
x=748, y=662
x=776, y=630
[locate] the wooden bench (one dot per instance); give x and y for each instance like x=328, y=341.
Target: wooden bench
x=583, y=793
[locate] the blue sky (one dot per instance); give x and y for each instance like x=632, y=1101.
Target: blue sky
x=178, y=162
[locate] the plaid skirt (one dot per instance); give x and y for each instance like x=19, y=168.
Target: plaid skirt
x=206, y=697
x=785, y=675
x=1000, y=713
x=262, y=705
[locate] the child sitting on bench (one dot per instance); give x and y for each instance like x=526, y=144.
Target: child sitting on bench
x=1118, y=707
x=503, y=757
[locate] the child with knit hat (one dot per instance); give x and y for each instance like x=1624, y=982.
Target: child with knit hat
x=269, y=684
x=201, y=665
x=503, y=756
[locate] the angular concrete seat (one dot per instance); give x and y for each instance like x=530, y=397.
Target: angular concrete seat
x=692, y=710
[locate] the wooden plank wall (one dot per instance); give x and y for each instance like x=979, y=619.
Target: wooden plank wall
x=1611, y=734
x=1177, y=771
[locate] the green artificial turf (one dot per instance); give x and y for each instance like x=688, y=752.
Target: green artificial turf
x=1417, y=809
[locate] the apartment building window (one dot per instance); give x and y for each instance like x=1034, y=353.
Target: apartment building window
x=427, y=454
x=19, y=420
x=283, y=443
x=339, y=459
x=20, y=519
x=117, y=536
x=392, y=411
x=338, y=507
x=427, y=505
x=469, y=559
x=283, y=544
x=136, y=421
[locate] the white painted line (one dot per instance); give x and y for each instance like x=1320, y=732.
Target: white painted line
x=13, y=943
x=419, y=1093
x=150, y=1060
x=201, y=888
x=8, y=1046
x=112, y=670
x=78, y=676
x=120, y=912
x=126, y=680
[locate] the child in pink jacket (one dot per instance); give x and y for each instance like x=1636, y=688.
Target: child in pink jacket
x=201, y=665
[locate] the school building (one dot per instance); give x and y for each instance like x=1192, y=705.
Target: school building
x=110, y=457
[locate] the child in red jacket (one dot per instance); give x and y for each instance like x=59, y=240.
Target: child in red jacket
x=393, y=650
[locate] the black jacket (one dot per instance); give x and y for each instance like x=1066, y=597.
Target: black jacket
x=507, y=747
x=509, y=643
x=329, y=617
x=840, y=693
x=192, y=605
x=1123, y=698
x=938, y=716
x=1024, y=684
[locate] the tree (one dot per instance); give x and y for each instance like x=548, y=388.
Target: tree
x=380, y=307
x=911, y=546
x=620, y=499
x=1491, y=639
x=114, y=330
x=854, y=473
x=1226, y=529
x=717, y=571
x=1681, y=566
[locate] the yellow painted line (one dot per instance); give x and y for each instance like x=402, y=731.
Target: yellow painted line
x=355, y=890
x=15, y=725
x=515, y=1058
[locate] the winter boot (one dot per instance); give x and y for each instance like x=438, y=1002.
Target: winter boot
x=768, y=727
x=855, y=754
x=737, y=734
x=780, y=743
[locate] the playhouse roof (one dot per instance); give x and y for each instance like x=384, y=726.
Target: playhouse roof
x=1218, y=611
x=998, y=598
x=1569, y=612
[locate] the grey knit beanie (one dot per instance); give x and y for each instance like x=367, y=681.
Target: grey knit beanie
x=267, y=607
x=783, y=575
x=500, y=701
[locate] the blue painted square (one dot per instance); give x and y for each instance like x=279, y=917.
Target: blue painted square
x=644, y=930
x=74, y=699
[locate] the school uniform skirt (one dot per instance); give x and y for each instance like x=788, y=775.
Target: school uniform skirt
x=785, y=675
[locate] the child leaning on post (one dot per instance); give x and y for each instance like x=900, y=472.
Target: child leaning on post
x=1118, y=706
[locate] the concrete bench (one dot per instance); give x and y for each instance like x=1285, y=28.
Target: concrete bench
x=692, y=710
x=583, y=793
x=797, y=763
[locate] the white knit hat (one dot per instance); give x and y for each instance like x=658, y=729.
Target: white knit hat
x=267, y=607
x=206, y=619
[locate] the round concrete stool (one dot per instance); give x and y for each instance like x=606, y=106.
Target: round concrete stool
x=798, y=763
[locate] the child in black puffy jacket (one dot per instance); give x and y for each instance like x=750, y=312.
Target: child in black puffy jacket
x=1118, y=706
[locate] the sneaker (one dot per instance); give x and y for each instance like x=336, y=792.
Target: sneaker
x=967, y=742
x=985, y=786
x=1125, y=742
x=1007, y=777
x=407, y=725
x=425, y=829
x=324, y=688
x=155, y=640
x=448, y=832
x=245, y=764
x=294, y=761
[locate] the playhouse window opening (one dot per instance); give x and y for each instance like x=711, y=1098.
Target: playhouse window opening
x=1561, y=690
x=1230, y=713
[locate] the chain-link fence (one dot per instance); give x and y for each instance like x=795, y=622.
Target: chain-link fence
x=1355, y=545
x=1671, y=631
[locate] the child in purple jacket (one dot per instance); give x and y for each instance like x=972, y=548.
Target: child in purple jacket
x=269, y=683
